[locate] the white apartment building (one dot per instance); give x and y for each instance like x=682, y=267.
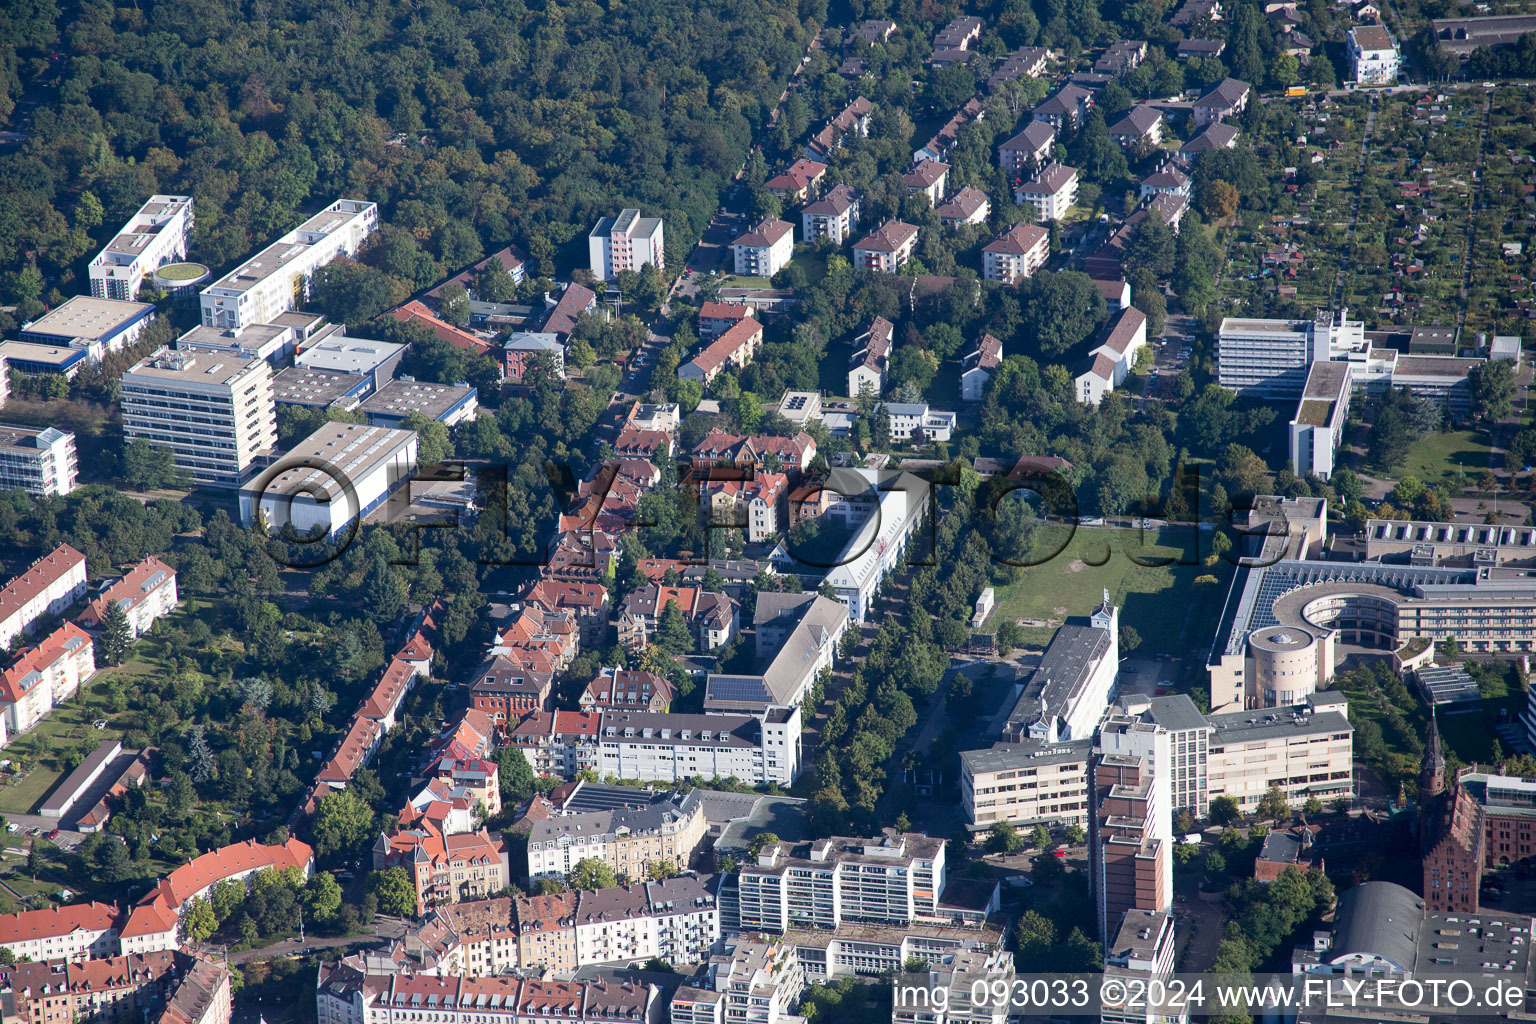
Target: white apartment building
x=887, y=249
x=1373, y=56
x=871, y=355
x=1051, y=192
x=894, y=879
x=277, y=278
x=1317, y=429
x=44, y=676
x=48, y=587
x=1271, y=358
x=966, y=982
x=626, y=242
x=213, y=409
x=1025, y=783
x=159, y=233
x=81, y=931
x=1112, y=360
x=663, y=747
x=1141, y=956
x=752, y=982
x=40, y=461
x=834, y=216
x=145, y=593
x=345, y=995
x=874, y=550
x=626, y=840
x=335, y=476
x=765, y=248
x=675, y=920
x=1017, y=252
x=908, y=418
x=1188, y=745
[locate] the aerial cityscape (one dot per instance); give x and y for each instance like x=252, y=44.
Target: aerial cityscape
x=733, y=512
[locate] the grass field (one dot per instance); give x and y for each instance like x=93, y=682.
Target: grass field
x=1454, y=458
x=1165, y=605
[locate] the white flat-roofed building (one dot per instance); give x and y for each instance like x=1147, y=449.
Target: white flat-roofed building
x=910, y=418
x=1271, y=357
x=626, y=242
x=1141, y=957
x=31, y=360
x=1025, y=783
x=362, y=356
x=1373, y=56
x=1317, y=430
x=340, y=473
x=276, y=279
x=158, y=234
x=98, y=326
x=450, y=404
x=213, y=409
x=882, y=538
x=40, y=461
x=664, y=747
x=274, y=342
x=891, y=879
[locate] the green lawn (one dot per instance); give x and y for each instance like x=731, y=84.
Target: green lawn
x=1163, y=603
x=733, y=281
x=1453, y=458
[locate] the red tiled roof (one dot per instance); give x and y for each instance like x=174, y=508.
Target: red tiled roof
x=38, y=577
x=131, y=588
x=723, y=311
x=415, y=312
x=37, y=924
x=64, y=641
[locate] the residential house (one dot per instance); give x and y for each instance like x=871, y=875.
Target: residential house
x=1217, y=135
x=1051, y=192
x=48, y=587
x=1202, y=48
x=1166, y=180
x=851, y=120
x=45, y=676
x=715, y=318
x=835, y=216
x=587, y=601
x=1017, y=252
x=797, y=182
x=733, y=349
x=628, y=689
x=968, y=206
x=626, y=242
x=754, y=504
x=952, y=43
x=444, y=868
x=575, y=302
x=1025, y=62
x=887, y=249
x=929, y=178
x=711, y=618
x=145, y=593
x=719, y=449
x=765, y=249
x=1112, y=359
x=979, y=366
x=1121, y=56
x=414, y=312
x=871, y=350
x=1373, y=56
x=1140, y=127
x=1067, y=108
x=627, y=839
x=522, y=347
x=507, y=689
x=915, y=423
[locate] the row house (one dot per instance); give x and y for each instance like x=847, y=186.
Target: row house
x=81, y=931
x=938, y=147
x=117, y=988
x=347, y=995
x=736, y=451
x=712, y=618
x=834, y=216
x=952, y=43
x=1016, y=253
x=871, y=353
x=49, y=586
x=886, y=249
x=1025, y=62
x=1121, y=56
x=627, y=688
x=628, y=840
x=733, y=349
x=851, y=120
x=586, y=552
x=145, y=593
x=506, y=689
x=633, y=443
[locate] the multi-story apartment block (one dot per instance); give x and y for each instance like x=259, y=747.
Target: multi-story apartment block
x=882, y=537
x=1130, y=830
x=887, y=249
x=159, y=233
x=1029, y=149
x=1111, y=361
x=897, y=879
x=48, y=587
x=675, y=921
x=713, y=618
x=765, y=248
x=662, y=747
x=44, y=676
x=214, y=410
x=834, y=216
x=277, y=278
x=1141, y=957
x=1373, y=56
x=732, y=350
x=38, y=460
x=1017, y=252
x=626, y=840
x=145, y=592
x=1227, y=98
x=81, y=931
x=626, y=242
x=347, y=995
x=962, y=986
x=444, y=868
x=751, y=982
x=929, y=178
x=871, y=351
x=100, y=991
x=1052, y=191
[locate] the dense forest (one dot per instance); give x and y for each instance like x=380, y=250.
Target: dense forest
x=473, y=125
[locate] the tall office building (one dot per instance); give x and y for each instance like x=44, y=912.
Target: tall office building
x=40, y=461
x=276, y=279
x=1130, y=840
x=1271, y=358
x=626, y=242
x=159, y=233
x=212, y=408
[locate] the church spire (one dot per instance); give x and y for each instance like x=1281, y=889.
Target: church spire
x=1432, y=775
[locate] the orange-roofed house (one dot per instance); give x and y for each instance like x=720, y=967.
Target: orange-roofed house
x=383, y=703
x=588, y=601
x=733, y=349
x=146, y=592
x=444, y=868
x=49, y=586
x=82, y=931
x=414, y=312
x=713, y=618
x=45, y=675
x=355, y=750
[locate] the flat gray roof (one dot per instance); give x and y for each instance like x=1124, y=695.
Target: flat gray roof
x=353, y=450
x=403, y=397
x=191, y=364
x=299, y=385
x=1267, y=723
x=87, y=317
x=350, y=355
x=1002, y=757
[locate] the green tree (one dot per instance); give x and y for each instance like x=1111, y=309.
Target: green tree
x=1272, y=804
x=1224, y=810
x=343, y=824
x=149, y=468
x=197, y=922
x=1004, y=837
x=514, y=773
x=1040, y=837
x=592, y=873
x=672, y=633
x=1076, y=835
x=1493, y=389
x=433, y=444
x=322, y=897
x=116, y=635
x=1313, y=807
x=1130, y=639
x=395, y=892
x=453, y=305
